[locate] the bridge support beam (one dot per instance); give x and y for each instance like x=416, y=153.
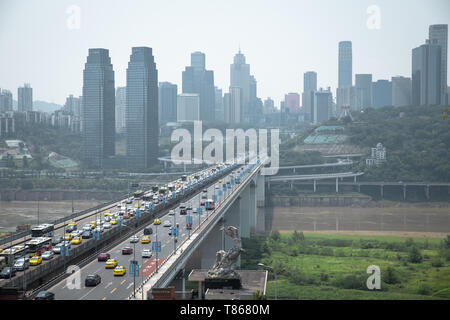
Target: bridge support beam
x=232, y=219
x=179, y=282
x=404, y=192
x=209, y=247
x=337, y=185
x=244, y=214
x=315, y=187
x=252, y=209
x=381, y=190
x=260, y=191
x=427, y=191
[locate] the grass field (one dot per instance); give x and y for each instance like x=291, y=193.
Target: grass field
x=322, y=266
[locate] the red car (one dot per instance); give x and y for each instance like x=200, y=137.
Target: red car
x=127, y=250
x=103, y=257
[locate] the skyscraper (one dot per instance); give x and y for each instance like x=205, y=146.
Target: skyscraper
x=438, y=34
x=345, y=64
x=167, y=102
x=233, y=105
x=98, y=108
x=426, y=74
x=196, y=79
x=240, y=77
x=141, y=114
x=363, y=86
x=6, y=101
x=220, y=111
x=25, y=98
x=381, y=93
x=121, y=104
x=292, y=102
x=323, y=101
x=269, y=106
x=310, y=81
x=188, y=107
x=401, y=91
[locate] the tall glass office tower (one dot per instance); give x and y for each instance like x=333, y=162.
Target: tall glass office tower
x=98, y=108
x=438, y=34
x=345, y=64
x=142, y=109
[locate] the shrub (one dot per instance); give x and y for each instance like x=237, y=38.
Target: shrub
x=323, y=277
x=424, y=289
x=351, y=282
x=436, y=262
x=414, y=255
x=390, y=276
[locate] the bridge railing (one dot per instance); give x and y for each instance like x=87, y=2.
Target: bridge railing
x=216, y=209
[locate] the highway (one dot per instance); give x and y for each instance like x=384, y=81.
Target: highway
x=82, y=220
x=120, y=287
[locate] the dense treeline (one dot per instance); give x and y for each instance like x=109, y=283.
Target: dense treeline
x=417, y=141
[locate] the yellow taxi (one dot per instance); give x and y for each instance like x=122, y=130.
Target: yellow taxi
x=220, y=180
x=35, y=260
x=145, y=239
x=73, y=223
x=107, y=214
x=110, y=263
x=113, y=221
x=156, y=222
x=120, y=271
x=93, y=224
x=67, y=237
x=1, y=250
x=76, y=240
x=136, y=206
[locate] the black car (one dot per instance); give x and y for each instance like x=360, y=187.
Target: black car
x=57, y=240
x=7, y=272
x=45, y=295
x=148, y=231
x=92, y=280
x=86, y=235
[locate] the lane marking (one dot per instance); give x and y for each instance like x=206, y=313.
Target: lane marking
x=123, y=281
x=113, y=290
x=104, y=298
x=108, y=285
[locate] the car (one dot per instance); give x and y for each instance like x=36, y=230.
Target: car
x=45, y=295
x=183, y=210
x=87, y=227
x=156, y=222
x=128, y=201
x=145, y=239
x=205, y=190
x=202, y=203
x=204, y=196
x=93, y=224
x=220, y=180
x=110, y=263
x=167, y=223
x=73, y=223
x=146, y=253
x=107, y=214
x=171, y=212
x=217, y=187
x=100, y=228
x=21, y=264
x=77, y=233
x=76, y=240
x=120, y=271
x=68, y=237
x=7, y=272
x=113, y=221
x=36, y=260
x=57, y=240
x=127, y=250
x=148, y=231
x=189, y=206
x=71, y=228
x=103, y=256
x=57, y=249
x=195, y=211
x=108, y=219
x=134, y=239
x=86, y=235
x=47, y=255
x=92, y=280
x=107, y=225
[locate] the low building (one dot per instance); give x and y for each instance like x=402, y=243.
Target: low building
x=377, y=156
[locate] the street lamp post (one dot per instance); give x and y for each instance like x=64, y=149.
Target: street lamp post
x=275, y=273
x=134, y=260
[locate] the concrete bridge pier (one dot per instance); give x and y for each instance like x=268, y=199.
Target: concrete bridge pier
x=244, y=214
x=209, y=247
x=232, y=218
x=427, y=191
x=404, y=192
x=381, y=190
x=252, y=209
x=179, y=282
x=260, y=191
x=315, y=187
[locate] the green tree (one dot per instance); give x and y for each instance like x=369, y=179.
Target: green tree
x=414, y=255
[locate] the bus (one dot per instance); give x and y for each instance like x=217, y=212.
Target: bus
x=138, y=194
x=39, y=245
x=43, y=230
x=155, y=189
x=10, y=255
x=171, y=187
x=210, y=204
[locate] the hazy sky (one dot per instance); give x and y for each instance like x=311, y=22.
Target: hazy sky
x=281, y=39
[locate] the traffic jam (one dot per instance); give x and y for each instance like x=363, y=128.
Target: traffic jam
x=48, y=242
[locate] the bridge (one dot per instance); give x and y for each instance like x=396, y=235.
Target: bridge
x=236, y=205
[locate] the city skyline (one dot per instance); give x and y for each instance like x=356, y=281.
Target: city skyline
x=283, y=75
